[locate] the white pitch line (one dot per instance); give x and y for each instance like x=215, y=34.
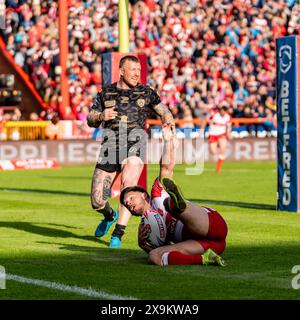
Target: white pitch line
x=88, y=292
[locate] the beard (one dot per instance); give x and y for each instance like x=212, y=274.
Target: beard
x=127, y=83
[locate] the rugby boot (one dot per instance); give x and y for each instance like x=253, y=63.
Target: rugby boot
x=209, y=257
x=104, y=226
x=177, y=204
x=115, y=242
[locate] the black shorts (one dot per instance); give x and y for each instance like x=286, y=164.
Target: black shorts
x=109, y=167
x=111, y=160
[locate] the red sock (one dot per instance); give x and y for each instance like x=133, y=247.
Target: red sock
x=219, y=165
x=176, y=257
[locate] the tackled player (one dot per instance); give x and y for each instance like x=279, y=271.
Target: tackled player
x=195, y=234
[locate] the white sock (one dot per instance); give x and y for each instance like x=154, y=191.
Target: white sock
x=164, y=259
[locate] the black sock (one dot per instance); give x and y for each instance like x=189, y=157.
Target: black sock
x=107, y=211
x=119, y=231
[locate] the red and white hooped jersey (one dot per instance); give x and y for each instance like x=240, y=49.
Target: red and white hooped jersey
x=218, y=124
x=174, y=226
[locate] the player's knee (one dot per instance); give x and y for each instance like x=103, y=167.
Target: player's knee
x=129, y=182
x=131, y=173
x=213, y=151
x=97, y=203
x=155, y=257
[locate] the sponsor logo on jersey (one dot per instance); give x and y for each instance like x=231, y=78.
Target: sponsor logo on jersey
x=124, y=99
x=111, y=93
x=160, y=225
x=109, y=103
x=140, y=102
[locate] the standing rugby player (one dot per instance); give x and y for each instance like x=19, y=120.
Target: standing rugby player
x=219, y=133
x=122, y=108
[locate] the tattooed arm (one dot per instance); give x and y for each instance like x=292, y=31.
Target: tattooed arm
x=165, y=115
x=98, y=113
x=94, y=117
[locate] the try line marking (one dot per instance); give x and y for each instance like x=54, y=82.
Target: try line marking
x=88, y=292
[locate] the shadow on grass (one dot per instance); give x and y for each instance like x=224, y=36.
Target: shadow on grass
x=111, y=254
x=236, y=204
x=60, y=225
x=68, y=177
x=205, y=201
x=59, y=192
x=46, y=231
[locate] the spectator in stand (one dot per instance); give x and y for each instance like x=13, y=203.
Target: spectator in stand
x=249, y=113
x=54, y=131
x=217, y=51
x=33, y=116
x=17, y=115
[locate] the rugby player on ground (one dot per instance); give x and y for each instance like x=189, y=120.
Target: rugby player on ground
x=196, y=234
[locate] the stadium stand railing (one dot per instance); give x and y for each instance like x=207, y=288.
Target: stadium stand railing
x=24, y=130
x=187, y=128
x=235, y=121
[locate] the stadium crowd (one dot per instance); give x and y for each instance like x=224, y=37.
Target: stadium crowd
x=201, y=54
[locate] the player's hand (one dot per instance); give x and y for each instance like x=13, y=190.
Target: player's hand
x=109, y=114
x=167, y=132
x=142, y=238
x=143, y=234
x=173, y=128
x=170, y=122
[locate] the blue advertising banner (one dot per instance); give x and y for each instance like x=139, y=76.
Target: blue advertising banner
x=288, y=123
x=106, y=69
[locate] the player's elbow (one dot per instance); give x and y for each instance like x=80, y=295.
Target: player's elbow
x=93, y=119
x=88, y=120
x=92, y=123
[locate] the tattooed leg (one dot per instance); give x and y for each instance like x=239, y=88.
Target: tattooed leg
x=101, y=186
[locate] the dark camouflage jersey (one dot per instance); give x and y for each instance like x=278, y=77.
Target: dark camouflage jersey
x=133, y=105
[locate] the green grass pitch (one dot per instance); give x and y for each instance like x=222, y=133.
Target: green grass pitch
x=47, y=227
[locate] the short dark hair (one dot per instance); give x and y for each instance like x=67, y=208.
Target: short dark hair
x=134, y=189
x=129, y=58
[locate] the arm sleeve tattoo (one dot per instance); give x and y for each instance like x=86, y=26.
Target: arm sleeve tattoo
x=93, y=119
x=164, y=113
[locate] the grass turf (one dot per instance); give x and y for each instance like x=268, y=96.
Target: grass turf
x=47, y=227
